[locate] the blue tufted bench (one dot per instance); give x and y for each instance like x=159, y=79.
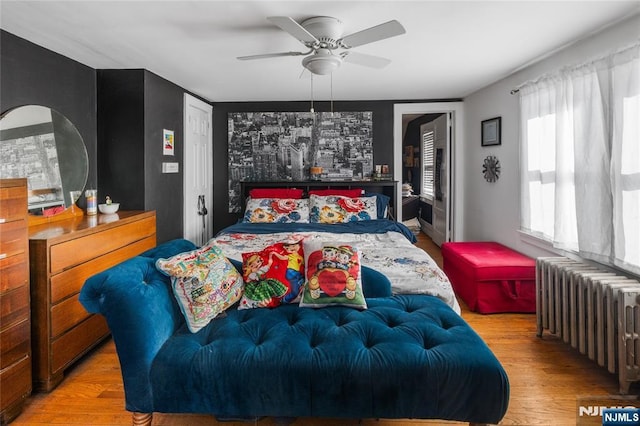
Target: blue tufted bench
x=406, y=356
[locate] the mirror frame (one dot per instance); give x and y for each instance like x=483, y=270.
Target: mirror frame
x=71, y=152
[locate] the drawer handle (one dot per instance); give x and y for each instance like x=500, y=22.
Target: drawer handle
x=2, y=220
x=3, y=255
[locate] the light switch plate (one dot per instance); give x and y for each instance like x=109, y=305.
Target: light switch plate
x=170, y=167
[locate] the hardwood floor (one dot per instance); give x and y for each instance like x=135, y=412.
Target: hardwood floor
x=546, y=376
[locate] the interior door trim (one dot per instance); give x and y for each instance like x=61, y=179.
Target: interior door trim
x=456, y=190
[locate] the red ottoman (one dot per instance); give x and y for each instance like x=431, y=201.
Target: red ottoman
x=490, y=277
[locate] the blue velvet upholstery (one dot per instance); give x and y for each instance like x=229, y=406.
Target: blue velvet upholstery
x=374, y=283
x=169, y=249
x=407, y=356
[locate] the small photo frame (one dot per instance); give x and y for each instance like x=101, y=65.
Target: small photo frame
x=492, y=131
x=168, y=142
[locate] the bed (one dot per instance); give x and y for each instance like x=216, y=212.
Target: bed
x=386, y=342
x=386, y=246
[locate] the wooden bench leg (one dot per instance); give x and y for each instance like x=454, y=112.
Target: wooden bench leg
x=142, y=419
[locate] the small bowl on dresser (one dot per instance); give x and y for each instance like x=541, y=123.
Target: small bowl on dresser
x=108, y=208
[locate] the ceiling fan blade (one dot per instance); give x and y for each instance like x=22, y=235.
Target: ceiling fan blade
x=292, y=27
x=365, y=60
x=379, y=32
x=269, y=55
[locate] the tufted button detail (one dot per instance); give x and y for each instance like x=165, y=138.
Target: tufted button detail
x=342, y=321
x=392, y=323
x=315, y=340
x=294, y=318
x=368, y=345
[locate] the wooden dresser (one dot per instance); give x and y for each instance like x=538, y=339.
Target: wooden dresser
x=15, y=328
x=63, y=255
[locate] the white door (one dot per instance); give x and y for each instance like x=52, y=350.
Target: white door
x=198, y=170
x=441, y=152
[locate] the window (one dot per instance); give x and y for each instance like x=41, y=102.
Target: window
x=428, y=136
x=580, y=159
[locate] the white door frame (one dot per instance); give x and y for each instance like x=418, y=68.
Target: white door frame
x=205, y=168
x=455, y=223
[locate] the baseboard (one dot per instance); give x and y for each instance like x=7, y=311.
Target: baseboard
x=426, y=227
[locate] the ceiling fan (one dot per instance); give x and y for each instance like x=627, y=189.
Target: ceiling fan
x=323, y=35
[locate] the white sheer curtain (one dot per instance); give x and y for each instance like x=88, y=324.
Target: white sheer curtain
x=580, y=159
x=625, y=158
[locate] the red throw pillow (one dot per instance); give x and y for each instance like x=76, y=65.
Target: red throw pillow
x=294, y=193
x=351, y=193
x=272, y=276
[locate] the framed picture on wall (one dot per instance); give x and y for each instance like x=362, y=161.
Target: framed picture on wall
x=491, y=131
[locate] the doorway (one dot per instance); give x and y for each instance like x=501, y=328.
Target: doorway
x=450, y=181
x=198, y=170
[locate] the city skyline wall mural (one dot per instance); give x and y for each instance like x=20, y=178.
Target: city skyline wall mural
x=282, y=146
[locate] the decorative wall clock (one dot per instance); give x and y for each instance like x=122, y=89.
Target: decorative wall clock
x=491, y=168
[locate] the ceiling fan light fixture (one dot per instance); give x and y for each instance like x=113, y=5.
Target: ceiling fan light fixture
x=323, y=62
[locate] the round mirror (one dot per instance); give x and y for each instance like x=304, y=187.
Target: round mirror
x=42, y=145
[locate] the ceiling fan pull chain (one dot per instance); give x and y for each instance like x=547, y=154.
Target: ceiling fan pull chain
x=312, y=110
x=332, y=94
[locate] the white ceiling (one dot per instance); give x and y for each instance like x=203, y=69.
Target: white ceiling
x=450, y=50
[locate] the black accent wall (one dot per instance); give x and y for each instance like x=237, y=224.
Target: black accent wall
x=33, y=75
x=134, y=106
x=382, y=140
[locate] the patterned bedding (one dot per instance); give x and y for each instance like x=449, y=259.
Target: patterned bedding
x=385, y=246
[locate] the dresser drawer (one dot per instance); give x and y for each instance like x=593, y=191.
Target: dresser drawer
x=66, y=314
x=79, y=250
x=15, y=381
x=14, y=306
x=14, y=272
x=13, y=238
x=77, y=341
x=70, y=281
x=13, y=203
x=15, y=343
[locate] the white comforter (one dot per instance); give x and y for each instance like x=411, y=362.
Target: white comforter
x=410, y=269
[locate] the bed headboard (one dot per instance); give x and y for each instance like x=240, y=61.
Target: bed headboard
x=386, y=187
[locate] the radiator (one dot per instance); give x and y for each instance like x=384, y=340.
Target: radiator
x=594, y=310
